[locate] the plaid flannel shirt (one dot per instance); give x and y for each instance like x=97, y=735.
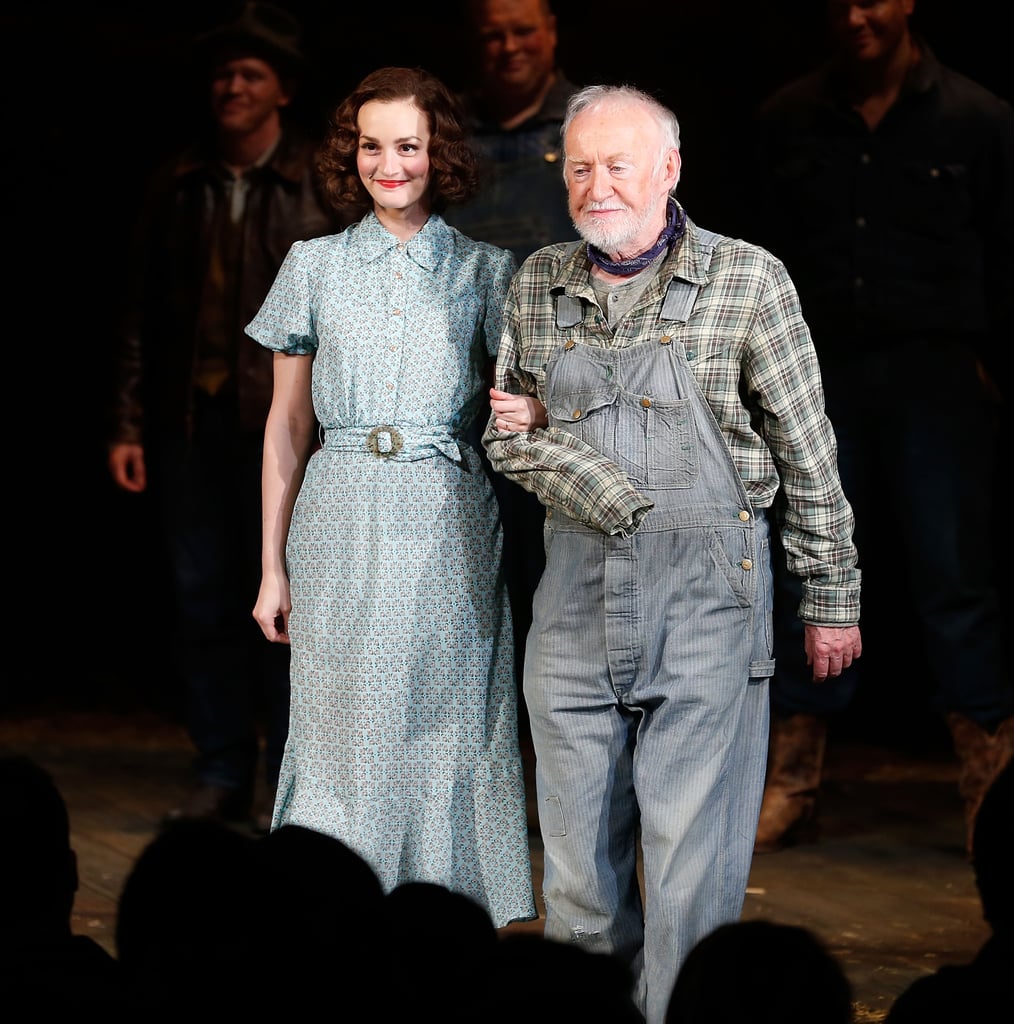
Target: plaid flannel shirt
x=751, y=354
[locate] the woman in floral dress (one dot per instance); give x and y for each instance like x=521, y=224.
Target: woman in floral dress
x=382, y=539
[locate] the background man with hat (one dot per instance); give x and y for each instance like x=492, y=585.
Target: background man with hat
x=192, y=392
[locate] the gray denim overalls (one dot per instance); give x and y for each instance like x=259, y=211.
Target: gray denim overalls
x=647, y=665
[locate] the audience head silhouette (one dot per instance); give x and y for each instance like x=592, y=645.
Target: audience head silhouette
x=785, y=975
x=36, y=858
x=993, y=851
x=980, y=989
x=188, y=918
x=46, y=971
x=431, y=927
x=320, y=914
x=544, y=981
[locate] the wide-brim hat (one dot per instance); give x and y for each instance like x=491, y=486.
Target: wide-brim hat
x=260, y=30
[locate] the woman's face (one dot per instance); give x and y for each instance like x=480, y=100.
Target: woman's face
x=393, y=157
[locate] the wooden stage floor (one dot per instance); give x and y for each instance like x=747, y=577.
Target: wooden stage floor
x=887, y=886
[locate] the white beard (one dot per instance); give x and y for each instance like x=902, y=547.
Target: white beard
x=620, y=235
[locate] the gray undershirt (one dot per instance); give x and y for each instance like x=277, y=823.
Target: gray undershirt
x=616, y=300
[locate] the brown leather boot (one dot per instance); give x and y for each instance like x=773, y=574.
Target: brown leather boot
x=982, y=755
x=795, y=759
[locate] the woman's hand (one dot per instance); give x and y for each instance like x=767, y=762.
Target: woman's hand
x=273, y=606
x=517, y=414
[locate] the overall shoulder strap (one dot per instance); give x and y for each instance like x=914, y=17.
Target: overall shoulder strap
x=680, y=296
x=569, y=312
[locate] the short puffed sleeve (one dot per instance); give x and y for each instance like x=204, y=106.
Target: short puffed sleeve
x=285, y=321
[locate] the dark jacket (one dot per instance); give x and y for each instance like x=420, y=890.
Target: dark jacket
x=154, y=373
x=901, y=233
x=522, y=204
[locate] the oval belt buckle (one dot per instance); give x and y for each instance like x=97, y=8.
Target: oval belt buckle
x=385, y=441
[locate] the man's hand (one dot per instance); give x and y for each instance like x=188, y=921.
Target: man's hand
x=126, y=464
x=831, y=649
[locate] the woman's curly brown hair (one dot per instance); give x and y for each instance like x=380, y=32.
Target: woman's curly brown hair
x=454, y=169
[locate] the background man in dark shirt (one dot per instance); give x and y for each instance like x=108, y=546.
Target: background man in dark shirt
x=515, y=109
x=888, y=190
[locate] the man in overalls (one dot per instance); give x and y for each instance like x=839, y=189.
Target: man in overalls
x=682, y=391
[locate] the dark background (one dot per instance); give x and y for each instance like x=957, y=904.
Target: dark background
x=95, y=95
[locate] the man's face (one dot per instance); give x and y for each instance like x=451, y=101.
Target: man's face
x=517, y=45
x=869, y=30
x=245, y=92
x=618, y=177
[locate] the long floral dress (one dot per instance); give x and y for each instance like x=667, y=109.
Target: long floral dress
x=403, y=735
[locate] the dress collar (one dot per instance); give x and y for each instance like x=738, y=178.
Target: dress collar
x=426, y=247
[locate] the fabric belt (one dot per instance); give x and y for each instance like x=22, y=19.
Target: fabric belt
x=387, y=441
